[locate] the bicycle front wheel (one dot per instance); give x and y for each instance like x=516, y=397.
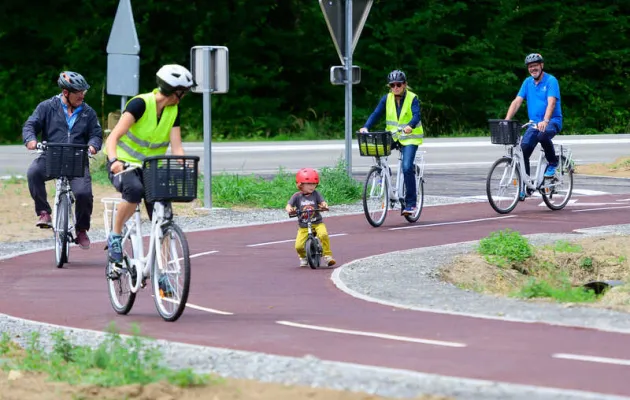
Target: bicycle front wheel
x=121, y=278
x=557, y=190
x=312, y=252
x=503, y=185
x=419, y=197
x=170, y=275
x=61, y=231
x=375, y=197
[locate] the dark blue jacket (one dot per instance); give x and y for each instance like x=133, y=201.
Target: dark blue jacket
x=49, y=120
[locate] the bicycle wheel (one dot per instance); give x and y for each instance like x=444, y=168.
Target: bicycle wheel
x=375, y=197
x=557, y=191
x=313, y=254
x=503, y=185
x=419, y=197
x=121, y=278
x=61, y=231
x=172, y=283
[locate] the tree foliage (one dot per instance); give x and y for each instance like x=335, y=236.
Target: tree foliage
x=464, y=59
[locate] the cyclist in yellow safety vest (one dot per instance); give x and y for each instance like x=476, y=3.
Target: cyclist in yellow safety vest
x=148, y=125
x=402, y=111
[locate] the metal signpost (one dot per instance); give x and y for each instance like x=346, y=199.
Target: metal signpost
x=210, y=69
x=123, y=63
x=345, y=23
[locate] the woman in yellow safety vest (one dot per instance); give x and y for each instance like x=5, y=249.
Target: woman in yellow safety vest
x=402, y=111
x=149, y=124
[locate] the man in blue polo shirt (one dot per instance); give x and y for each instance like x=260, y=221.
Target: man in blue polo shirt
x=542, y=92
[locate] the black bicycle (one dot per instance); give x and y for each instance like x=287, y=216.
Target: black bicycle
x=313, y=245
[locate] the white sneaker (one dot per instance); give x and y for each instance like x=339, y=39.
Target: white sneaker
x=330, y=261
x=303, y=262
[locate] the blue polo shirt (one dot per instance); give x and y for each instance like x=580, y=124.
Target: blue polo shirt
x=536, y=96
x=70, y=119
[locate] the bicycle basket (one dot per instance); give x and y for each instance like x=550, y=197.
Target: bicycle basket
x=375, y=144
x=66, y=159
x=504, y=132
x=170, y=178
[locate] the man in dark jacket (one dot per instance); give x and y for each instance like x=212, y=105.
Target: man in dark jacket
x=64, y=118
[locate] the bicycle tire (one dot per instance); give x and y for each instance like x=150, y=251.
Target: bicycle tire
x=506, y=181
x=313, y=257
x=419, y=198
x=548, y=197
x=171, y=231
x=375, y=183
x=127, y=274
x=61, y=231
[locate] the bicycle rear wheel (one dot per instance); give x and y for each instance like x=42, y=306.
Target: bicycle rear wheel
x=172, y=283
x=61, y=231
x=419, y=197
x=313, y=254
x=503, y=185
x=375, y=197
x=121, y=278
x=557, y=191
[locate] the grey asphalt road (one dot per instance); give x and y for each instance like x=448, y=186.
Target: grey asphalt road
x=456, y=166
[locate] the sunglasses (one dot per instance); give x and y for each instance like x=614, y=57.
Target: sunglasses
x=397, y=84
x=83, y=92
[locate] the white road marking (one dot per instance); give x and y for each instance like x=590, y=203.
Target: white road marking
x=196, y=307
x=600, y=209
x=372, y=334
x=204, y=253
x=287, y=241
x=603, y=360
x=452, y=223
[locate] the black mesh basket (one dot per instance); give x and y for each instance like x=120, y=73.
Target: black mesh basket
x=503, y=131
x=375, y=144
x=66, y=159
x=170, y=178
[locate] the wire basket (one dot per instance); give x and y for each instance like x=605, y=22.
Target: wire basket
x=504, y=131
x=170, y=178
x=375, y=144
x=66, y=159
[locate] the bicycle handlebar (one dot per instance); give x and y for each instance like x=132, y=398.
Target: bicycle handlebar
x=308, y=212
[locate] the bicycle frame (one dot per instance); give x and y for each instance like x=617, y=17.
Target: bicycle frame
x=63, y=188
x=395, y=191
x=133, y=233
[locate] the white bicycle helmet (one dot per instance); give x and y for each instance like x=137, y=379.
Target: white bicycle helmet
x=172, y=77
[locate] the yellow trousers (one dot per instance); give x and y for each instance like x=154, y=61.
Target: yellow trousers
x=322, y=234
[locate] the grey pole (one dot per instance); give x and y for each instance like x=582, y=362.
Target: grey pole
x=123, y=101
x=348, y=71
x=207, y=154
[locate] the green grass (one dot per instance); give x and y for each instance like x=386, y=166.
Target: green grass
x=505, y=247
x=563, y=246
x=115, y=362
x=560, y=290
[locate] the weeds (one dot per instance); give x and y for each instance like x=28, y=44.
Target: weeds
x=115, y=362
x=505, y=247
x=559, y=290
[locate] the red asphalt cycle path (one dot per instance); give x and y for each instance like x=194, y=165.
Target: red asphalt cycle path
x=262, y=285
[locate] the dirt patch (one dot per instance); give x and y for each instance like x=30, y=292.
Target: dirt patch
x=15, y=385
x=564, y=263
x=620, y=168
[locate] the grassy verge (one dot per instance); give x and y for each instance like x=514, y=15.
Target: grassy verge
x=506, y=263
x=115, y=362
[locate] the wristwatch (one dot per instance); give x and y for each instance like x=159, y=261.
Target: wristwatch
x=113, y=160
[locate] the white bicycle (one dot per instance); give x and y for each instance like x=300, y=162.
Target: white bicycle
x=507, y=177
x=167, y=262
x=379, y=194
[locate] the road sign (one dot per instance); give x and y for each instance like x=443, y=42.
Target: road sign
x=123, y=74
x=210, y=69
x=335, y=16
x=338, y=75
x=123, y=38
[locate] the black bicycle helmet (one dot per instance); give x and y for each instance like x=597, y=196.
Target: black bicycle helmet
x=72, y=81
x=396, y=76
x=533, y=58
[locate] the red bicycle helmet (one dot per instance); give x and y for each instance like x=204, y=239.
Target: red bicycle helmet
x=307, y=175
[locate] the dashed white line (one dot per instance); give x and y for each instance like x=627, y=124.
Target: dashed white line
x=196, y=307
x=602, y=360
x=372, y=334
x=204, y=253
x=452, y=223
x=288, y=240
x=600, y=209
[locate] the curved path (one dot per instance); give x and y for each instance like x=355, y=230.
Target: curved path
x=249, y=294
